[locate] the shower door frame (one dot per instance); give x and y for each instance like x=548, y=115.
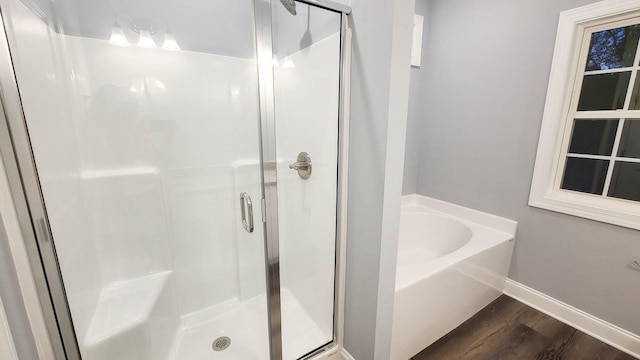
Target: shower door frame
x=15, y=148
x=28, y=200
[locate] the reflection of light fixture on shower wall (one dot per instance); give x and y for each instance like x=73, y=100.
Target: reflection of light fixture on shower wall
x=145, y=33
x=117, y=36
x=170, y=41
x=288, y=63
x=145, y=39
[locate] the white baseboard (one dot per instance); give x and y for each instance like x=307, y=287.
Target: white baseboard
x=615, y=336
x=345, y=355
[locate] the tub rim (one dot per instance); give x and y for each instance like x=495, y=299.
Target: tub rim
x=487, y=231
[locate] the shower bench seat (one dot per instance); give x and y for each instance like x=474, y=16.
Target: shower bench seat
x=132, y=314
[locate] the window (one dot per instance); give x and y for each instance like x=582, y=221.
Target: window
x=588, y=160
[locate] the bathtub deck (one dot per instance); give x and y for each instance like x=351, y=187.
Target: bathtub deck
x=507, y=329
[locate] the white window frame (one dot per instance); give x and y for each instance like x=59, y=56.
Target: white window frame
x=566, y=75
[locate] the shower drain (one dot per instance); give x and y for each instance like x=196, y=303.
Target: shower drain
x=221, y=343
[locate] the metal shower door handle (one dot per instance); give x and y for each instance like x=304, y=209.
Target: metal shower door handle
x=246, y=206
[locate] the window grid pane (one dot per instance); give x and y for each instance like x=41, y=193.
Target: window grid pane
x=625, y=180
x=604, y=91
x=593, y=136
x=635, y=95
x=613, y=48
x=585, y=175
x=629, y=146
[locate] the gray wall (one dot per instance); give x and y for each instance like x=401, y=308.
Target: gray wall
x=416, y=110
x=481, y=93
x=369, y=106
x=379, y=99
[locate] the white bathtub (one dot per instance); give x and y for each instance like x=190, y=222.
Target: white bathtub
x=452, y=262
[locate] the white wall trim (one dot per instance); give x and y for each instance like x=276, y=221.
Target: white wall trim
x=606, y=332
x=345, y=355
x=545, y=192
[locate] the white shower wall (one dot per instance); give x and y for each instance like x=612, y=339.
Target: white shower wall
x=307, y=100
x=197, y=115
x=138, y=152
x=193, y=116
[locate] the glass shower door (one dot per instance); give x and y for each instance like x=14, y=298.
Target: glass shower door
x=142, y=119
x=307, y=87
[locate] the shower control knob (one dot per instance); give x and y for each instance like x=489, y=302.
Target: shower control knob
x=302, y=165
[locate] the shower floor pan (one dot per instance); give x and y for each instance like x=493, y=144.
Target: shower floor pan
x=245, y=324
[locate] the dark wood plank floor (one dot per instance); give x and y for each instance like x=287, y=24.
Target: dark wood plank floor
x=507, y=329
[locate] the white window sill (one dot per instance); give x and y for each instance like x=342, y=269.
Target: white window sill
x=593, y=207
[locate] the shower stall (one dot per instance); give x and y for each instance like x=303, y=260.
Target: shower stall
x=178, y=170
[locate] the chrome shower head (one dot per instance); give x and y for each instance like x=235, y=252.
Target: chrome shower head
x=290, y=5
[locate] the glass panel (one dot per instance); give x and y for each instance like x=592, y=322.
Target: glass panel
x=635, y=95
x=625, y=181
x=142, y=151
x=630, y=139
x=585, y=175
x=306, y=76
x=604, y=91
x=594, y=137
x=613, y=48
